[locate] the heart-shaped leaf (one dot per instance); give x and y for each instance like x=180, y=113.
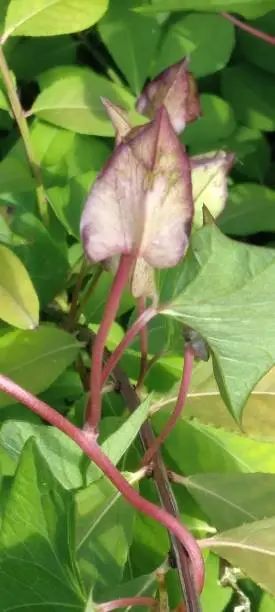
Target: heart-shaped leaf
x=230, y=303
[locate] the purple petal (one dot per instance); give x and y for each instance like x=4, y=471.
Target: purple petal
x=175, y=88
x=142, y=201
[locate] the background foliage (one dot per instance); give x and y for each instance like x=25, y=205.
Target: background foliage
x=65, y=529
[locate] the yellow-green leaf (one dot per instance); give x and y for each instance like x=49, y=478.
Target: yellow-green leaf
x=51, y=17
x=19, y=303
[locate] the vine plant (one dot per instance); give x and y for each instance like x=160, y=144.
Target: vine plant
x=138, y=220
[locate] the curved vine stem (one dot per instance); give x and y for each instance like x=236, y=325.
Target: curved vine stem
x=111, y=308
x=90, y=447
x=183, y=390
x=136, y=328
x=248, y=28
x=125, y=602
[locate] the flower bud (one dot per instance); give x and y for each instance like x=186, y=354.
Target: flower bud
x=141, y=203
x=175, y=88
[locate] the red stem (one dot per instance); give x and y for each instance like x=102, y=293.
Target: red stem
x=124, y=602
x=90, y=447
x=136, y=328
x=111, y=308
x=248, y=28
x=141, y=304
x=183, y=390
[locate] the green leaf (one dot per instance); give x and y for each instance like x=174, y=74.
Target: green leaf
x=230, y=500
x=143, y=586
x=37, y=567
x=104, y=529
x=5, y=232
x=44, y=18
x=94, y=307
x=205, y=403
x=209, y=183
x=60, y=453
x=207, y=39
x=267, y=604
x=87, y=154
x=248, y=8
x=255, y=50
x=19, y=303
x=251, y=94
x=68, y=201
x=217, y=450
x=250, y=209
x=43, y=252
x=118, y=442
x=50, y=143
x=217, y=123
x=120, y=30
x=35, y=359
x=252, y=153
x=67, y=153
x=214, y=597
x=71, y=99
x=230, y=312
x=164, y=337
x=251, y=547
x=29, y=57
x=12, y=166
x=3, y=101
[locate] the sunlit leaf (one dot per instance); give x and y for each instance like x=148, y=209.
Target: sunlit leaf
x=230, y=500
x=61, y=454
x=71, y=99
x=252, y=548
x=34, y=359
x=209, y=183
x=217, y=450
x=248, y=8
x=44, y=18
x=205, y=403
x=230, y=303
x=19, y=303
